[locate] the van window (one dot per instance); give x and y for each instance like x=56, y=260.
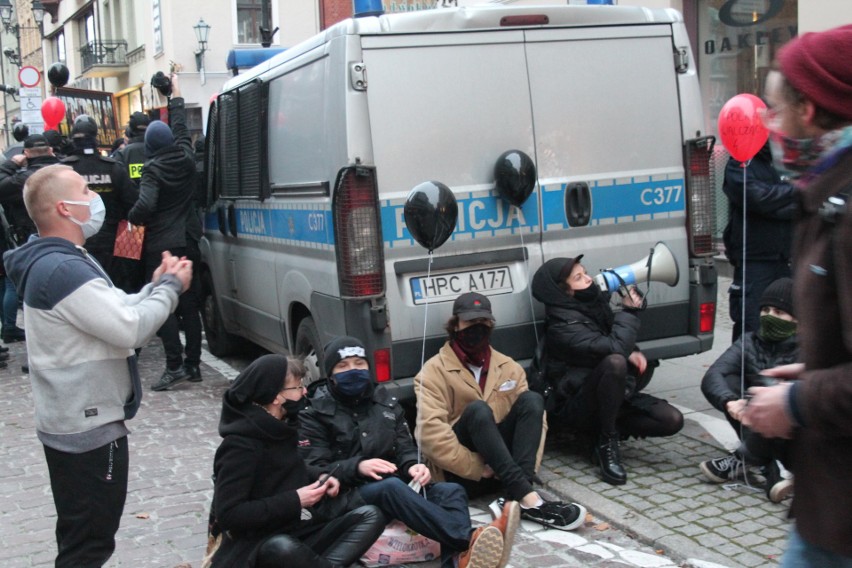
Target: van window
x=239, y=113
x=299, y=135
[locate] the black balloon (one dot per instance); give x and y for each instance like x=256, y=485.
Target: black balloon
x=430, y=214
x=515, y=176
x=58, y=74
x=20, y=131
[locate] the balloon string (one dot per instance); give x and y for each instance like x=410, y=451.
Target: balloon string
x=423, y=354
x=743, y=304
x=527, y=272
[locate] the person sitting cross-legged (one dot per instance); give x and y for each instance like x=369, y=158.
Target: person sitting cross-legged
x=355, y=427
x=479, y=423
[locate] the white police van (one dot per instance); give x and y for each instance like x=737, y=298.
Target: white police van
x=311, y=156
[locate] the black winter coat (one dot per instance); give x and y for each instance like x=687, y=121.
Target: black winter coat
x=340, y=433
x=257, y=471
x=579, y=335
x=107, y=178
x=167, y=188
x=770, y=206
x=721, y=382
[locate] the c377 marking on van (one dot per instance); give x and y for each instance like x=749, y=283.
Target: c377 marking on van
x=480, y=216
x=614, y=202
x=296, y=226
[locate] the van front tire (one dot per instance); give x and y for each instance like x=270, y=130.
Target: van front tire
x=219, y=342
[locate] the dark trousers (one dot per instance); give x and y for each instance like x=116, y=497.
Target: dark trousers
x=509, y=448
x=187, y=314
x=442, y=516
x=341, y=542
x=760, y=274
x=600, y=405
x=89, y=490
x=125, y=273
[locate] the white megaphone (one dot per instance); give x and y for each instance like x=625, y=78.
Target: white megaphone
x=659, y=266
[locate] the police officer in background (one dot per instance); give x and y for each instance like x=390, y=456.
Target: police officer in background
x=107, y=178
x=132, y=156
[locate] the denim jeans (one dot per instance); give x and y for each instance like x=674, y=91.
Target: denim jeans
x=442, y=516
x=802, y=554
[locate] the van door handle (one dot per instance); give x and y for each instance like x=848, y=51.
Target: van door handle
x=578, y=204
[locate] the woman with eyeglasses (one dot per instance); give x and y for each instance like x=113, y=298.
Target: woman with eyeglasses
x=271, y=508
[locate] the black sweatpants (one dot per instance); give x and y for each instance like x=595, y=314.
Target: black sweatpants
x=89, y=491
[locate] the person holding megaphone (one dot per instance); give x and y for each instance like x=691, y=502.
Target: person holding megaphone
x=591, y=360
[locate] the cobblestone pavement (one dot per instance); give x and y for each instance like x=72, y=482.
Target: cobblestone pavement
x=665, y=516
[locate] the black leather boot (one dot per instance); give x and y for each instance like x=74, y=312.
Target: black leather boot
x=608, y=455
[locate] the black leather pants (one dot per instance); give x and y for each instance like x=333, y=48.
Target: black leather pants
x=340, y=542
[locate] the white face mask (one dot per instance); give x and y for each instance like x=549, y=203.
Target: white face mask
x=97, y=214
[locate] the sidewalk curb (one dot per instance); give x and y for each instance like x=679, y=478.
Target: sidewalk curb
x=645, y=530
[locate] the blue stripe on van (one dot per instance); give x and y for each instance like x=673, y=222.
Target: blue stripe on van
x=478, y=217
x=614, y=202
x=300, y=225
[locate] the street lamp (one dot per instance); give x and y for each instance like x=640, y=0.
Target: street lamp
x=202, y=30
x=6, y=10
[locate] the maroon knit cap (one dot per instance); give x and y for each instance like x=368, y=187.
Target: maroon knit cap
x=819, y=65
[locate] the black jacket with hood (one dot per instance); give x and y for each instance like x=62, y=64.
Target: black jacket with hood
x=721, y=382
x=167, y=188
x=257, y=470
x=579, y=335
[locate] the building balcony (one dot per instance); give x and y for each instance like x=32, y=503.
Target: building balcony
x=104, y=58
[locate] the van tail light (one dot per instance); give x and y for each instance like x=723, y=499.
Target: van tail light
x=706, y=317
x=381, y=357
x=357, y=234
x=700, y=193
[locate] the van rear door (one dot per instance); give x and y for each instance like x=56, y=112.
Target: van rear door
x=444, y=107
x=609, y=152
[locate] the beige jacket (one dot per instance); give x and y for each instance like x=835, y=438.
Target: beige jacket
x=444, y=388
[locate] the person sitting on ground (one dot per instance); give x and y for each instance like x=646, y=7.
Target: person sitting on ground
x=738, y=369
x=272, y=508
x=357, y=428
x=593, y=362
x=478, y=421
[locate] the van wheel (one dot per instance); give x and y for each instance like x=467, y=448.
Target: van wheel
x=219, y=342
x=309, y=347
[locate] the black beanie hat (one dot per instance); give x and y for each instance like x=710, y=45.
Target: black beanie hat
x=779, y=295
x=260, y=382
x=158, y=135
x=341, y=348
x=138, y=123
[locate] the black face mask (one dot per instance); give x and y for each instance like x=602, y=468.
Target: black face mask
x=292, y=408
x=589, y=294
x=474, y=338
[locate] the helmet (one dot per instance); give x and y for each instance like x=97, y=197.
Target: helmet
x=85, y=125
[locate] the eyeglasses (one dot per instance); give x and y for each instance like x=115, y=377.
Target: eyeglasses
x=769, y=116
x=300, y=387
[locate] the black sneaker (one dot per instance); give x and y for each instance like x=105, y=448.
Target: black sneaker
x=16, y=334
x=171, y=378
x=556, y=515
x=193, y=371
x=723, y=470
x=778, y=487
x=4, y=349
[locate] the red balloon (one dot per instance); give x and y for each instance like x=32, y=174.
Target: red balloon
x=52, y=111
x=740, y=127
